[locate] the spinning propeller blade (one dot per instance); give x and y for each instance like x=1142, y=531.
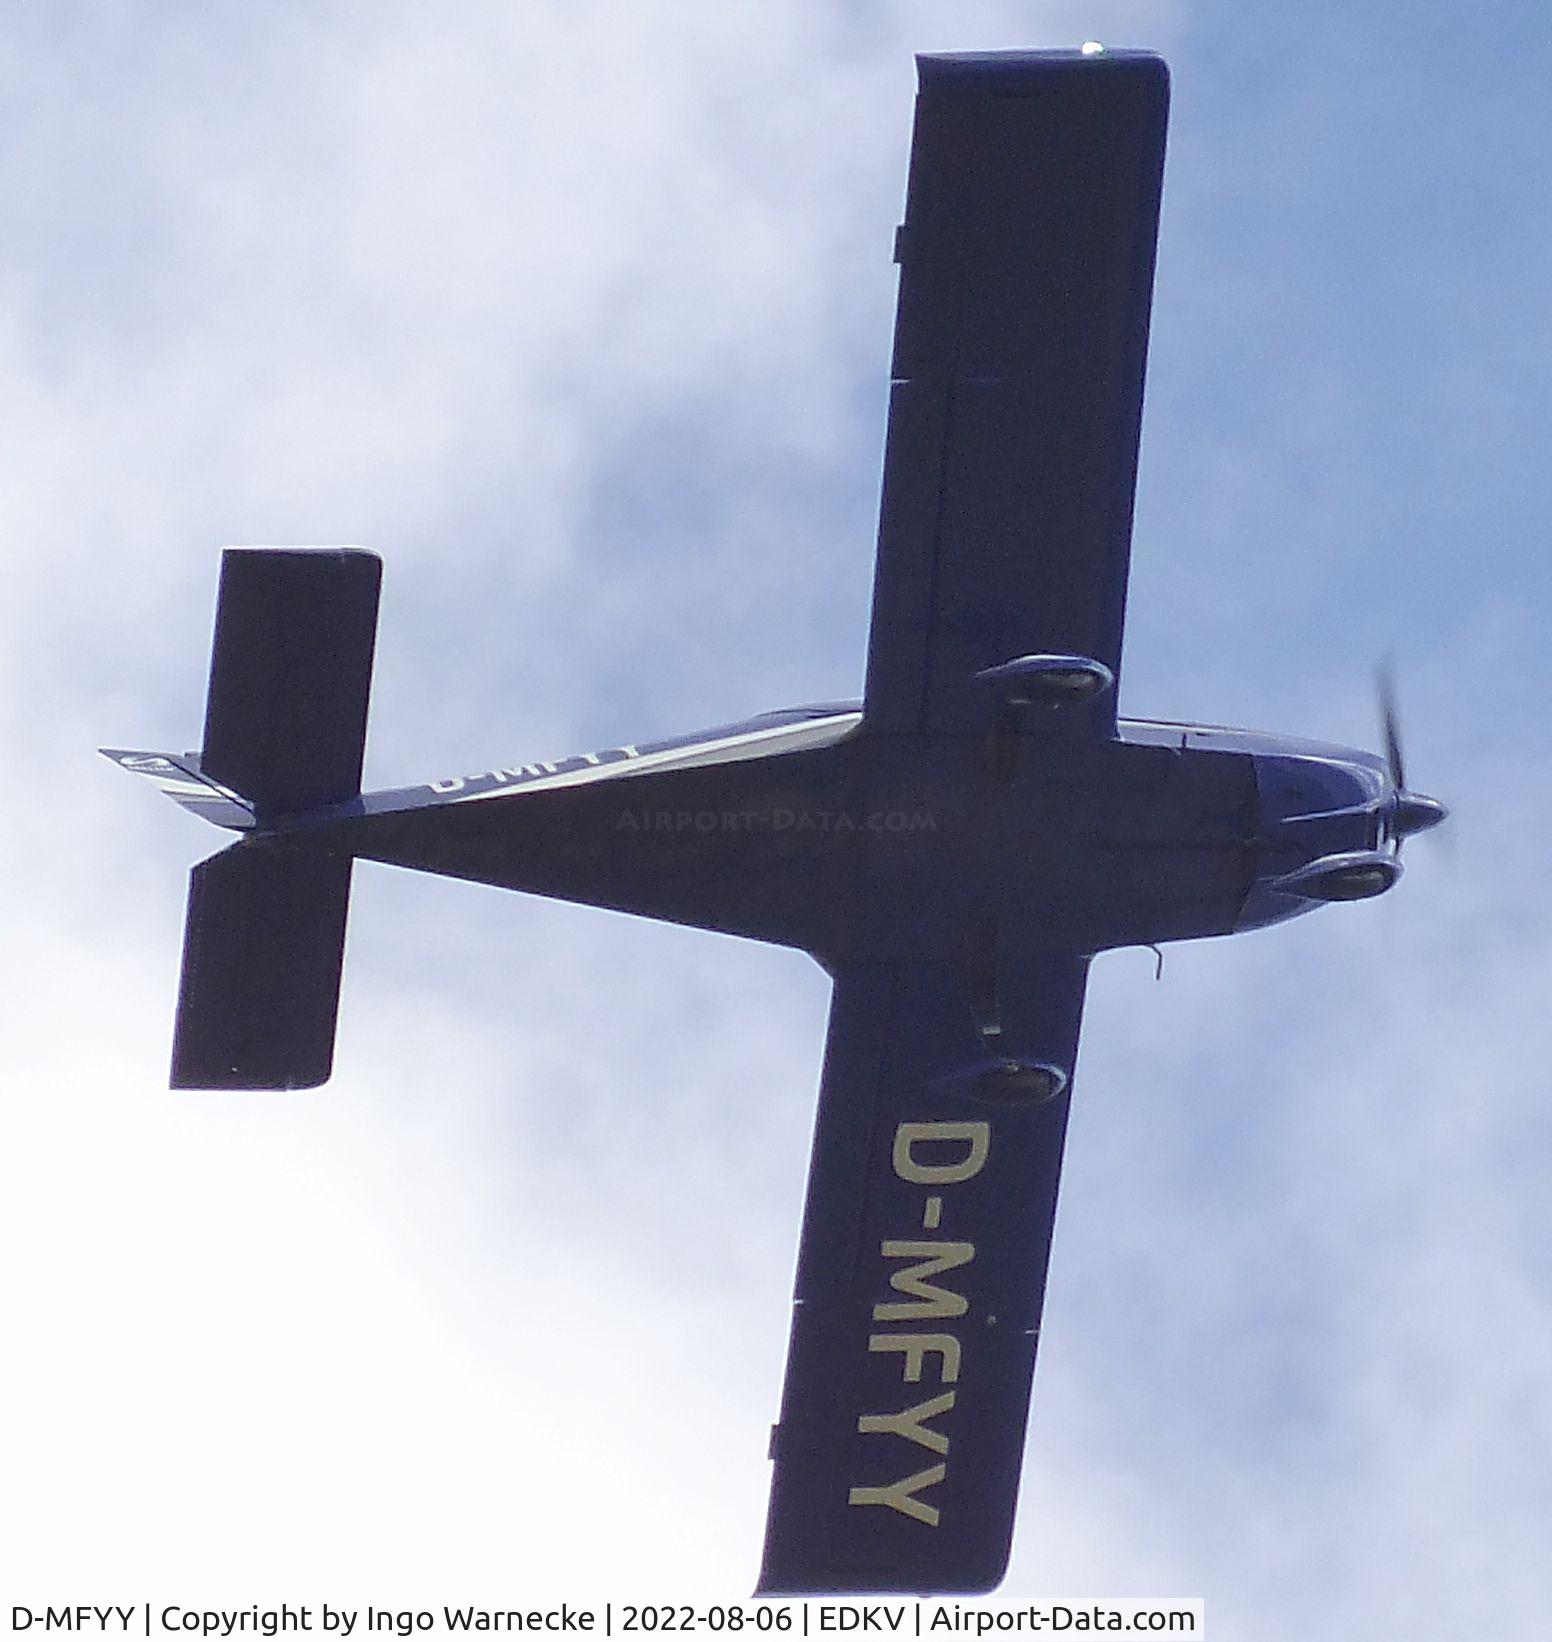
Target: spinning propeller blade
x=1390, y=720
x=1414, y=812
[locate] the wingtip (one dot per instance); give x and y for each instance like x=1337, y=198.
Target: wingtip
x=1009, y=72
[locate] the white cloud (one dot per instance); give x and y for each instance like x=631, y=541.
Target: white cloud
x=580, y=315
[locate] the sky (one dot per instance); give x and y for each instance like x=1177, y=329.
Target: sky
x=579, y=315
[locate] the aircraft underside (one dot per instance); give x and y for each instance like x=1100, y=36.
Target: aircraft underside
x=954, y=850
x=875, y=847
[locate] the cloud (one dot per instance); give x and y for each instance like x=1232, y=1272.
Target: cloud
x=580, y=316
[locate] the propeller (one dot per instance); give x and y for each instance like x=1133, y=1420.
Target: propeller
x=1390, y=720
x=1414, y=812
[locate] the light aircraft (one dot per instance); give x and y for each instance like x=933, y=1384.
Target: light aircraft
x=954, y=849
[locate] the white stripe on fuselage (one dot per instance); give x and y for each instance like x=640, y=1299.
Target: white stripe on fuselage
x=583, y=768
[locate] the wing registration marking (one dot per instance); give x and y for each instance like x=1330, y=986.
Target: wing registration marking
x=937, y=1155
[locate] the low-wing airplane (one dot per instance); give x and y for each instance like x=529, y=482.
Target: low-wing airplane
x=954, y=849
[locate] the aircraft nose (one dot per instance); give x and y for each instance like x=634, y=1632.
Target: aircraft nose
x=1416, y=812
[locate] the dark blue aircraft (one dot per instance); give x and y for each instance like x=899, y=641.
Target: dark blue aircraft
x=954, y=849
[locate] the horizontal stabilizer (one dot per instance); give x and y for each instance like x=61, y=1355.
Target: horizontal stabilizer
x=290, y=675
x=263, y=948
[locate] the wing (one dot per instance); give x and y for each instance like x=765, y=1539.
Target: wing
x=1026, y=275
x=920, y=1282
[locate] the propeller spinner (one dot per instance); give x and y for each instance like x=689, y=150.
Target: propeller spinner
x=1412, y=812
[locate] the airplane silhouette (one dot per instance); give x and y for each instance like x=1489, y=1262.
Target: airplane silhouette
x=954, y=849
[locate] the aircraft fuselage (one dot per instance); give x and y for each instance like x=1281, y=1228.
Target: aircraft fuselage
x=798, y=828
